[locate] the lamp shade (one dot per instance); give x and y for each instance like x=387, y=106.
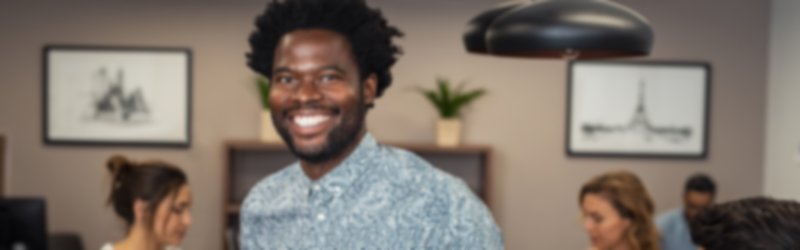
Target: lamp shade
x=475, y=36
x=584, y=29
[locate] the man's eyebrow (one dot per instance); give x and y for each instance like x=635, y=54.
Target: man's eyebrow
x=332, y=67
x=327, y=67
x=281, y=69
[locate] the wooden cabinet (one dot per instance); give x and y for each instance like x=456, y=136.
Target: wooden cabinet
x=248, y=162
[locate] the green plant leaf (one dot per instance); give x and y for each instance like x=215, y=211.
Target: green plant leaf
x=263, y=90
x=467, y=98
x=460, y=88
x=447, y=109
x=432, y=97
x=444, y=89
x=449, y=101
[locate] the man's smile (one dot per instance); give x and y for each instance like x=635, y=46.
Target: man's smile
x=310, y=122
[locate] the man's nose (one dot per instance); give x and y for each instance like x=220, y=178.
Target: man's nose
x=308, y=91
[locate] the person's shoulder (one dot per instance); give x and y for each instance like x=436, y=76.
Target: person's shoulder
x=669, y=217
x=107, y=246
x=274, y=184
x=443, y=199
x=410, y=167
x=280, y=177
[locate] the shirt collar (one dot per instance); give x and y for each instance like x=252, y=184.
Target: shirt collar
x=343, y=175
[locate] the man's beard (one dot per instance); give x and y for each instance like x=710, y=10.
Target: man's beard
x=338, y=139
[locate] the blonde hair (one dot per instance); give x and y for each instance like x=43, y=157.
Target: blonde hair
x=630, y=198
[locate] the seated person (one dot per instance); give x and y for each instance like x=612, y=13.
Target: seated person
x=748, y=224
x=153, y=198
x=618, y=213
x=698, y=194
x=328, y=61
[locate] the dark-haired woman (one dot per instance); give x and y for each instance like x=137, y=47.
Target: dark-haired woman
x=618, y=213
x=154, y=199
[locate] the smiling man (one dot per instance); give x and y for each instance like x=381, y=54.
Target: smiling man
x=328, y=61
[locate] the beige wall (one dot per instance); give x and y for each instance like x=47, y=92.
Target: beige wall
x=782, y=153
x=523, y=116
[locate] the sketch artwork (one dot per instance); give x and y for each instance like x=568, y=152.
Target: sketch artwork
x=639, y=124
x=644, y=109
x=112, y=102
x=125, y=96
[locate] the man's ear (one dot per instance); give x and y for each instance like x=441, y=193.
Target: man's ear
x=140, y=210
x=370, y=89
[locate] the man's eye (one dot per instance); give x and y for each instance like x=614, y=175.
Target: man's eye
x=328, y=78
x=285, y=79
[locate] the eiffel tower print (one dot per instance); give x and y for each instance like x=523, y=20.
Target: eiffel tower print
x=640, y=124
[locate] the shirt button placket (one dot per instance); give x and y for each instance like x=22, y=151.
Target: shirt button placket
x=320, y=216
x=321, y=228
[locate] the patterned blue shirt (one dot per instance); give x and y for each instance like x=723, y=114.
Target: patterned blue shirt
x=378, y=198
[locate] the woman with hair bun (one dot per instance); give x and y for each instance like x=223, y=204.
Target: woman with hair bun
x=154, y=199
x=618, y=213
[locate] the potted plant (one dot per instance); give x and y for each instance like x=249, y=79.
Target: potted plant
x=448, y=102
x=268, y=132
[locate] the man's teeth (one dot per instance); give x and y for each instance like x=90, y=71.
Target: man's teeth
x=308, y=121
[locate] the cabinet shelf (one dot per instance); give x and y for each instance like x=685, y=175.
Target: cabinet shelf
x=233, y=208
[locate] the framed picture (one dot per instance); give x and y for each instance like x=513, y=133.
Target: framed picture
x=126, y=96
x=638, y=109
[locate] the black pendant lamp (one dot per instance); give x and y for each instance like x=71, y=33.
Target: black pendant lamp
x=586, y=29
x=475, y=36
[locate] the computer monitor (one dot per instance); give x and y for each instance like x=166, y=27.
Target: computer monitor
x=23, y=224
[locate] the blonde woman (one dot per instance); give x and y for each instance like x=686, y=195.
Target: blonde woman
x=618, y=213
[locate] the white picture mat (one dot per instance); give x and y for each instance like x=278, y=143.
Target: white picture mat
x=162, y=77
x=674, y=96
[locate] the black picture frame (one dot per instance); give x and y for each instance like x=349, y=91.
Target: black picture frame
x=685, y=73
x=65, y=69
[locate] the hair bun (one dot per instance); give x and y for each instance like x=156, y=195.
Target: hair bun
x=118, y=165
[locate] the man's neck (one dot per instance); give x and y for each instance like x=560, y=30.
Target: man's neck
x=316, y=170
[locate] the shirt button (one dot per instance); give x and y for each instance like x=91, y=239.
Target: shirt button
x=316, y=187
x=321, y=217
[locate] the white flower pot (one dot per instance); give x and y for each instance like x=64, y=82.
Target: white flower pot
x=448, y=132
x=268, y=132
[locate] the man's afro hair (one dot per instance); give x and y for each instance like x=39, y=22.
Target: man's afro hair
x=366, y=29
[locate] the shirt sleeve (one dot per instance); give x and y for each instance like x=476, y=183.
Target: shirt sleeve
x=248, y=225
x=482, y=231
x=470, y=225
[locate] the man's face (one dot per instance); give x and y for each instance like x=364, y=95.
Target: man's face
x=317, y=102
x=696, y=201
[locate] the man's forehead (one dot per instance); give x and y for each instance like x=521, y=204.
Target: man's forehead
x=312, y=50
x=698, y=196
x=316, y=38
